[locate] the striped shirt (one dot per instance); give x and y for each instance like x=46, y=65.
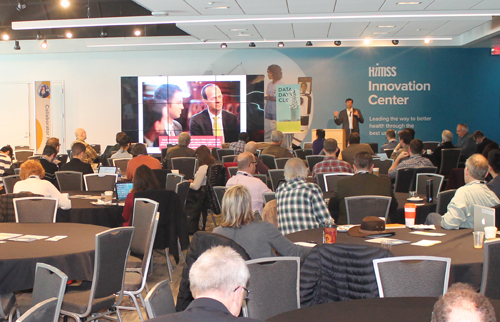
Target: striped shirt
x=5, y=163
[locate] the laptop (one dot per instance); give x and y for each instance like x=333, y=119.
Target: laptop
x=107, y=170
x=122, y=190
x=483, y=217
x=382, y=156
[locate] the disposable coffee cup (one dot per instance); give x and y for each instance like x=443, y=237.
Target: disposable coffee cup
x=108, y=196
x=410, y=214
x=376, y=171
x=490, y=232
x=478, y=238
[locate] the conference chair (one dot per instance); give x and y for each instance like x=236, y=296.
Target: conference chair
x=21, y=147
x=300, y=153
x=412, y=276
x=7, y=306
x=35, y=157
x=421, y=183
x=308, y=151
x=268, y=196
x=97, y=299
x=161, y=176
x=69, y=180
x=490, y=283
x=9, y=182
x=262, y=177
x=159, y=301
x=17, y=171
x=276, y=175
x=223, y=152
x=270, y=279
x=449, y=161
x=374, y=146
x=100, y=181
x=219, y=193
x=43, y=311
x=313, y=159
x=121, y=164
x=308, y=145
x=23, y=155
x=359, y=207
x=443, y=199
x=268, y=160
x=172, y=181
x=185, y=165
x=331, y=180
x=97, y=148
x=430, y=145
x=228, y=158
x=320, y=180
x=383, y=165
x=214, y=153
x=232, y=171
x=404, y=180
x=35, y=209
x=280, y=162
x=182, y=190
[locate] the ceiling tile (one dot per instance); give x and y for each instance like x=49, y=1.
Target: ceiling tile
x=204, y=8
x=240, y=32
x=420, y=28
x=204, y=32
x=373, y=28
x=173, y=7
x=311, y=6
x=457, y=27
x=452, y=5
x=358, y=5
x=263, y=7
x=487, y=4
x=346, y=29
x=276, y=31
x=391, y=5
x=311, y=30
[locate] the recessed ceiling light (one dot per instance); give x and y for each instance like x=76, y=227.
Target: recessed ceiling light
x=216, y=8
x=5, y=36
x=244, y=34
x=386, y=26
x=65, y=3
x=69, y=34
x=238, y=29
x=380, y=33
x=409, y=2
x=137, y=32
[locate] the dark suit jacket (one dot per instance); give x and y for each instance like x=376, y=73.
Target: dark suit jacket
x=200, y=124
x=349, y=152
x=175, y=152
x=361, y=184
x=344, y=120
x=436, y=154
x=50, y=171
x=494, y=185
x=77, y=165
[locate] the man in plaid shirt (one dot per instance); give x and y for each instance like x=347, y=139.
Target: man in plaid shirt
x=300, y=203
x=331, y=163
x=239, y=147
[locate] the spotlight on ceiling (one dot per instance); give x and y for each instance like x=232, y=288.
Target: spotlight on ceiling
x=69, y=34
x=39, y=36
x=281, y=44
x=223, y=45
x=137, y=32
x=104, y=33
x=21, y=5
x=309, y=44
x=5, y=36
x=395, y=42
x=366, y=41
x=16, y=45
x=65, y=3
x=44, y=44
x=252, y=44
x=337, y=42
x=427, y=41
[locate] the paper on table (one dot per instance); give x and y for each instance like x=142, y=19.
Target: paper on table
x=392, y=241
x=394, y=226
x=8, y=235
x=305, y=244
x=423, y=227
x=56, y=238
x=28, y=238
x=426, y=242
x=426, y=233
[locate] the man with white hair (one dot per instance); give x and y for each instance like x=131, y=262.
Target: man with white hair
x=218, y=281
x=300, y=203
x=446, y=143
x=180, y=150
x=275, y=148
x=90, y=154
x=465, y=141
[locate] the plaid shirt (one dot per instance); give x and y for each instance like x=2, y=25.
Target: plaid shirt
x=238, y=147
x=300, y=206
x=331, y=164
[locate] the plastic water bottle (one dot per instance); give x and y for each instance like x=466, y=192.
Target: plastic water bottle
x=119, y=172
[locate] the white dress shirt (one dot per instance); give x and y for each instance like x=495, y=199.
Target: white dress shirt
x=255, y=186
x=38, y=186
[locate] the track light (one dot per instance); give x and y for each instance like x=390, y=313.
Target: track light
x=5, y=36
x=281, y=44
x=39, y=36
x=44, y=44
x=223, y=45
x=65, y=3
x=137, y=32
x=104, y=33
x=69, y=34
x=21, y=5
x=309, y=44
x=16, y=45
x=252, y=44
x=337, y=43
x=395, y=42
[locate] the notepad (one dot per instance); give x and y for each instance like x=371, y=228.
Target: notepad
x=426, y=242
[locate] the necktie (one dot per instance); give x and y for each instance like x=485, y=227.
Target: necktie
x=217, y=129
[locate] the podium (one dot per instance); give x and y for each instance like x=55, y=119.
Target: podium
x=337, y=134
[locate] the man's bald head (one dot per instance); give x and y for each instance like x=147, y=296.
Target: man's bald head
x=80, y=134
x=251, y=147
x=245, y=161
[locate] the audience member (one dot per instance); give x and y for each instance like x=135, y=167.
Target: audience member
x=318, y=143
x=488, y=148
x=405, y=138
x=275, y=148
x=218, y=280
x=47, y=161
x=481, y=141
x=416, y=159
x=460, y=212
x=6, y=155
x=244, y=176
x=53, y=141
x=90, y=154
x=446, y=143
x=494, y=170
x=300, y=203
x=144, y=179
x=76, y=164
x=362, y=183
x=122, y=152
x=260, y=168
x=390, y=135
x=140, y=157
x=31, y=174
x=180, y=150
x=354, y=148
x=463, y=303
x=330, y=163
x=239, y=146
x=112, y=149
x=465, y=141
x=412, y=132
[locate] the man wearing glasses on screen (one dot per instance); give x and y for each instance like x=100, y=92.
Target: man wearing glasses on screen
x=214, y=120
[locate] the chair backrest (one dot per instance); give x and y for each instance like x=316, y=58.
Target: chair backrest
x=23, y=155
x=149, y=235
x=160, y=301
x=430, y=145
x=412, y=276
x=388, y=152
x=320, y=180
x=232, y=171
x=404, y=180
x=443, y=200
x=299, y=153
x=172, y=181
x=35, y=157
x=228, y=158
x=308, y=151
x=270, y=279
x=490, y=283
x=182, y=190
x=185, y=165
x=276, y=175
x=50, y=282
x=262, y=177
x=421, y=183
x=96, y=147
x=17, y=171
x=359, y=207
x=313, y=159
x=9, y=182
x=268, y=196
x=383, y=165
x=426, y=170
x=35, y=209
x=449, y=160
x=280, y=162
x=219, y=193
x=100, y=181
x=21, y=147
x=308, y=145
x=121, y=164
x=268, y=160
x=223, y=152
x=161, y=176
x=70, y=180
x=143, y=217
x=214, y=153
x=374, y=146
x=43, y=311
x=331, y=180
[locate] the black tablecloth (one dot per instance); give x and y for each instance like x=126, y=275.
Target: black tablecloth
x=466, y=261
x=422, y=210
x=73, y=255
x=408, y=309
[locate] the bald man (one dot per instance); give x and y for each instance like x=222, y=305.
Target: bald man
x=90, y=154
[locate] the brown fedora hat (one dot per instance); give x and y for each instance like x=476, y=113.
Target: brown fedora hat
x=370, y=225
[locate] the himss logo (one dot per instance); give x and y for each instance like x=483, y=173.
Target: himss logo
x=379, y=71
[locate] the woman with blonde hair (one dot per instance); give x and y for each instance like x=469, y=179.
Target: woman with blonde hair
x=259, y=238
x=31, y=175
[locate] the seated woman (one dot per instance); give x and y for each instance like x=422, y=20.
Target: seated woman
x=123, y=153
x=31, y=174
x=144, y=179
x=258, y=238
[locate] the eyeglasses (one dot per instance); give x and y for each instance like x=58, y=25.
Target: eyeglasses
x=248, y=292
x=254, y=162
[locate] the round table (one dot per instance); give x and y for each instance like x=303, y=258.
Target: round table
x=73, y=255
x=466, y=261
